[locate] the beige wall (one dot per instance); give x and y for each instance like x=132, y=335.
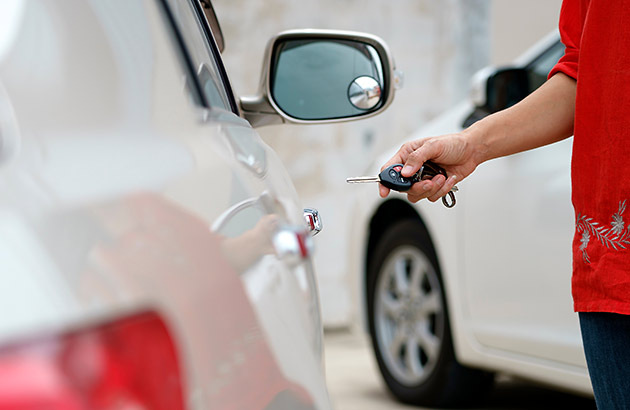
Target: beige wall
x=517, y=24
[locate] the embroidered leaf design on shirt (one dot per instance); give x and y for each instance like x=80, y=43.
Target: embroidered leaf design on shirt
x=586, y=237
x=617, y=222
x=615, y=237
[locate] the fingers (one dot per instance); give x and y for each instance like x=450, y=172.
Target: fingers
x=444, y=189
x=428, y=188
x=419, y=191
x=383, y=191
x=433, y=189
x=414, y=154
x=414, y=161
x=396, y=159
x=401, y=157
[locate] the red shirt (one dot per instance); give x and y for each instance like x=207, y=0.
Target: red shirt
x=597, y=39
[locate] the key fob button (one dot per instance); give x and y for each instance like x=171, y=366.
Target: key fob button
x=393, y=174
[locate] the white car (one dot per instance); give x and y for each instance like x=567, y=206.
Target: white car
x=153, y=252
x=452, y=296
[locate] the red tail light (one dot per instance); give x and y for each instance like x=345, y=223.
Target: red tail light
x=130, y=364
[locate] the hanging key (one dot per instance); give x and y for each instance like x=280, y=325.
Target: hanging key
x=391, y=178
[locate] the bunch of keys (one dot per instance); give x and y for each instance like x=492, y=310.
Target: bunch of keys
x=391, y=178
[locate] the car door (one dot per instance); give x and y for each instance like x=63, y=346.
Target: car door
x=518, y=227
x=264, y=215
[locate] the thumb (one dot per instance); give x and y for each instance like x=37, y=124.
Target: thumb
x=414, y=162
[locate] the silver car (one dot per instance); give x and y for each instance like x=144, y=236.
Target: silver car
x=153, y=251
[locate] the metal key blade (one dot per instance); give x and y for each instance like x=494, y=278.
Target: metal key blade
x=362, y=180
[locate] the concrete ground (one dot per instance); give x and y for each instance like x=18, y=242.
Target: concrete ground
x=355, y=383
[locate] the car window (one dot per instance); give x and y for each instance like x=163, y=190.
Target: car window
x=200, y=46
x=537, y=72
x=542, y=65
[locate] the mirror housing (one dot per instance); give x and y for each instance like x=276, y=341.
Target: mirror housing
x=322, y=76
x=497, y=89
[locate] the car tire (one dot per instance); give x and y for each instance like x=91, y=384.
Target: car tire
x=409, y=325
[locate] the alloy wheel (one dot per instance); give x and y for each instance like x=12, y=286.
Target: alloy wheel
x=409, y=315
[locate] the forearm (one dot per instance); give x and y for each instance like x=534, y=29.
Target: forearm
x=544, y=117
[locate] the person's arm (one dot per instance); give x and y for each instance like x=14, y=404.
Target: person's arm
x=544, y=117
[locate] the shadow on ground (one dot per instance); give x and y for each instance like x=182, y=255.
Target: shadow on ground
x=521, y=395
x=355, y=383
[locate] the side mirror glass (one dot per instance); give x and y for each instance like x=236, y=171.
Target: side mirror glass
x=505, y=88
x=326, y=78
x=319, y=76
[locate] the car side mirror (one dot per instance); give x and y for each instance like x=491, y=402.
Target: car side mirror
x=506, y=87
x=497, y=89
x=322, y=76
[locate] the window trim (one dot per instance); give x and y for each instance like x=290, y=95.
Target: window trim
x=209, y=36
x=182, y=49
x=215, y=27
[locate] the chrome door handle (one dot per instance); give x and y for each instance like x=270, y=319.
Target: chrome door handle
x=313, y=221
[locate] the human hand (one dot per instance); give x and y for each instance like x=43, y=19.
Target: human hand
x=453, y=152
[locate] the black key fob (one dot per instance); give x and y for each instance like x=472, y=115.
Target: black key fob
x=392, y=179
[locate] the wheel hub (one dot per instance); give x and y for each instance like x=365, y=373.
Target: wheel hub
x=408, y=315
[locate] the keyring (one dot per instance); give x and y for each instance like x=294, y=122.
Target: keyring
x=448, y=204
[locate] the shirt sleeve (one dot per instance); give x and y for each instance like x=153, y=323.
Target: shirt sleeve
x=570, y=26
